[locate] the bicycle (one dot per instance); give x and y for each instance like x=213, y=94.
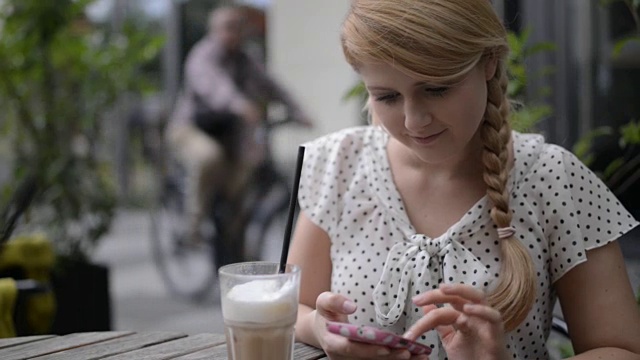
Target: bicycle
x=189, y=270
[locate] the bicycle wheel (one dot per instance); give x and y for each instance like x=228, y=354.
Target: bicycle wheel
x=265, y=231
x=187, y=268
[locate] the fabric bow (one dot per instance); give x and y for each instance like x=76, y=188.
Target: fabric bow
x=420, y=264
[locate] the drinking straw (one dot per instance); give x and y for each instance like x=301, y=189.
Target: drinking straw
x=292, y=209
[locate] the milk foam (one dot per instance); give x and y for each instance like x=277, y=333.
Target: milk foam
x=260, y=301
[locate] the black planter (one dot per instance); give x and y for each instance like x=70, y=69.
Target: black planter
x=83, y=301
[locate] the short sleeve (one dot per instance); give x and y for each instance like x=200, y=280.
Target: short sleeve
x=319, y=190
x=580, y=212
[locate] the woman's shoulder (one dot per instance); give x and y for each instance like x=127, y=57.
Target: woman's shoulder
x=331, y=163
x=534, y=155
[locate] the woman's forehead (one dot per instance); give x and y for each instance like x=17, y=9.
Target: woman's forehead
x=382, y=74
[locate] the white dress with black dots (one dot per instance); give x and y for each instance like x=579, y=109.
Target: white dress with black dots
x=561, y=209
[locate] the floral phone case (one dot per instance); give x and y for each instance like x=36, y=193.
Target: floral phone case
x=376, y=336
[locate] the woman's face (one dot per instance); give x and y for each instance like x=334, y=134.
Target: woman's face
x=435, y=123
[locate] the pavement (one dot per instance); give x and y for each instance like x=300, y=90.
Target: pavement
x=141, y=302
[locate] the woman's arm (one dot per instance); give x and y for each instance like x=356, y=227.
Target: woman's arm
x=599, y=307
x=310, y=250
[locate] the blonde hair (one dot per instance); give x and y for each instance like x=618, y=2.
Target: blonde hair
x=439, y=42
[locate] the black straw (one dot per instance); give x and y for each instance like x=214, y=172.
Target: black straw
x=292, y=209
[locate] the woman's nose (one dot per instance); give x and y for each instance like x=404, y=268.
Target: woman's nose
x=416, y=115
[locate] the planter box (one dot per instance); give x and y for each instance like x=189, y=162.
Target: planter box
x=83, y=301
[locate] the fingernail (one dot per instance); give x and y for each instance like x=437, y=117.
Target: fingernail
x=349, y=306
x=408, y=335
x=404, y=355
x=467, y=307
x=384, y=352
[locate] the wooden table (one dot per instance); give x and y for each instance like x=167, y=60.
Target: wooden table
x=126, y=345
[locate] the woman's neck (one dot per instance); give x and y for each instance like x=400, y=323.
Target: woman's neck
x=465, y=165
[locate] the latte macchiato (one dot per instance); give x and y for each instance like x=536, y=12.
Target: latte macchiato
x=259, y=308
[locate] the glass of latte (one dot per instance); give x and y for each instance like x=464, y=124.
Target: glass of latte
x=259, y=307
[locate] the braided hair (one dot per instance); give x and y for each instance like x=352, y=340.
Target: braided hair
x=440, y=41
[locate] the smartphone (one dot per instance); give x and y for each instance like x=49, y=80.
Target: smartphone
x=372, y=335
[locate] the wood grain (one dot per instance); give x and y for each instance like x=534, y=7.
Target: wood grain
x=173, y=349
x=5, y=343
x=116, y=346
x=121, y=345
x=57, y=344
x=300, y=352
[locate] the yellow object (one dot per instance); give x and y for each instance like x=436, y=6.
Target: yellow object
x=33, y=254
x=8, y=295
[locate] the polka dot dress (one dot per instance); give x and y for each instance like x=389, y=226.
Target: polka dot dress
x=560, y=209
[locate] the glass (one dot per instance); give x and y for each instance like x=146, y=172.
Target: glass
x=259, y=308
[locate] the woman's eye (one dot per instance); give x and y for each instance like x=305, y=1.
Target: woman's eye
x=388, y=99
x=439, y=91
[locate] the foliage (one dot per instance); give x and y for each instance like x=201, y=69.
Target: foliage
x=59, y=77
x=623, y=171
x=634, y=9
x=523, y=118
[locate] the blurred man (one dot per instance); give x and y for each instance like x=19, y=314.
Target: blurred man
x=224, y=99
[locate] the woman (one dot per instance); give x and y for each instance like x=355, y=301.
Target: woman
x=440, y=203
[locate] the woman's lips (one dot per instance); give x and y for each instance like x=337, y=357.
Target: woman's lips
x=426, y=140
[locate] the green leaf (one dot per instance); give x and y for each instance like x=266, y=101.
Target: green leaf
x=526, y=118
x=630, y=133
x=358, y=91
x=582, y=148
x=620, y=44
x=613, y=167
x=566, y=350
x=539, y=48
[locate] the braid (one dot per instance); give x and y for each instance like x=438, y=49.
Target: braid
x=515, y=292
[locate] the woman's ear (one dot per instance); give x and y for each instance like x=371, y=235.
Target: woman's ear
x=490, y=66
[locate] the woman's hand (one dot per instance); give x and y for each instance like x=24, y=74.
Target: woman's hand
x=469, y=328
x=334, y=307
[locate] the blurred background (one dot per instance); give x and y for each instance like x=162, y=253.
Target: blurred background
x=86, y=88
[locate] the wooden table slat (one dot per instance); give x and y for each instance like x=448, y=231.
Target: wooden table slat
x=306, y=352
x=116, y=346
x=58, y=343
x=174, y=349
x=300, y=352
x=215, y=353
x=9, y=342
x=121, y=345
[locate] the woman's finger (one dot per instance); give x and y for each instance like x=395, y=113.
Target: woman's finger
x=464, y=291
x=437, y=297
x=441, y=318
x=333, y=306
x=484, y=312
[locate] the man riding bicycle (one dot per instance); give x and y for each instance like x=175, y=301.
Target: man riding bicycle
x=223, y=103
